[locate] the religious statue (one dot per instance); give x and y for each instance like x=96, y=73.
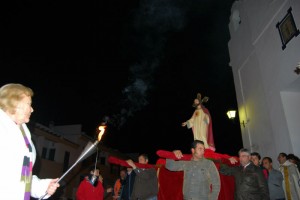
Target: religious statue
x=201, y=123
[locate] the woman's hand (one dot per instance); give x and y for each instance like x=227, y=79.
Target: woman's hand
x=52, y=186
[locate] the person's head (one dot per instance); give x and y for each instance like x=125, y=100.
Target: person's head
x=282, y=158
x=143, y=158
x=123, y=174
x=267, y=163
x=15, y=100
x=244, y=156
x=95, y=172
x=292, y=158
x=255, y=158
x=129, y=170
x=197, y=149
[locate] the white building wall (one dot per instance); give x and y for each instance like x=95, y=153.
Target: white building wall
x=291, y=101
x=71, y=132
x=264, y=75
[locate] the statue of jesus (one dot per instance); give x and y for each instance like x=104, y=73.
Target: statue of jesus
x=201, y=123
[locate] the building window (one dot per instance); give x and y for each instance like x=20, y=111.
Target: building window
x=51, y=154
x=44, y=153
x=66, y=161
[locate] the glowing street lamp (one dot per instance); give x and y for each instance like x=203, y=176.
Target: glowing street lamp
x=231, y=114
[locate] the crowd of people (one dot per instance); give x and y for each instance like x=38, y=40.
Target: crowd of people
x=133, y=183
x=254, y=177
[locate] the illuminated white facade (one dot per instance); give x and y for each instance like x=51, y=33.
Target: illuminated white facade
x=267, y=86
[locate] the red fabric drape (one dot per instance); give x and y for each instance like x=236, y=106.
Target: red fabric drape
x=170, y=183
x=209, y=154
x=117, y=161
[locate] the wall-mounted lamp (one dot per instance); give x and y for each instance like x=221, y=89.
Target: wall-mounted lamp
x=231, y=115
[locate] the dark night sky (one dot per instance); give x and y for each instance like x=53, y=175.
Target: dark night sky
x=137, y=63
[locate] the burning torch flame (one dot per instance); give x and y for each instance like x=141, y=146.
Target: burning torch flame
x=102, y=130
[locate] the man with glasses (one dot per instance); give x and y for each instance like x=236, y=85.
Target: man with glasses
x=250, y=182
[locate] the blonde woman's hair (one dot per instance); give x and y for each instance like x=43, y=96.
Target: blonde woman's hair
x=11, y=94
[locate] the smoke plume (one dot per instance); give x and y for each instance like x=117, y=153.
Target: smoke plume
x=152, y=22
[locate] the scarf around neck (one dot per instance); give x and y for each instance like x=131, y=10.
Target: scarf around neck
x=26, y=174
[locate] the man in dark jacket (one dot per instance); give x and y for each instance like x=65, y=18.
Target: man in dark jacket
x=146, y=181
x=128, y=184
x=250, y=182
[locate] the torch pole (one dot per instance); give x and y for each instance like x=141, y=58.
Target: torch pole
x=81, y=157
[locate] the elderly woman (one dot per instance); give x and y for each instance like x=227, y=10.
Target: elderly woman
x=17, y=152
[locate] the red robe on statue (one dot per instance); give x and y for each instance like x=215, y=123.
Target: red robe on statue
x=210, y=136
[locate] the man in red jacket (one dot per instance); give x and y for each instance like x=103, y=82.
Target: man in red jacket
x=91, y=187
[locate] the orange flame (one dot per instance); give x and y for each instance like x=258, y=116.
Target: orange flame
x=102, y=130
